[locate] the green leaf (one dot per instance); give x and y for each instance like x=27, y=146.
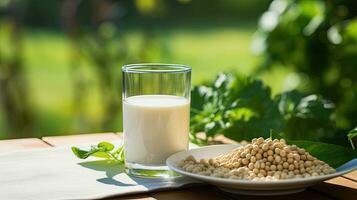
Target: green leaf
x=208, y=107
x=334, y=155
x=199, y=96
x=102, y=150
x=214, y=127
x=106, y=146
x=120, y=153
x=252, y=112
x=241, y=108
x=305, y=118
x=100, y=154
x=273, y=134
x=238, y=106
x=351, y=135
x=82, y=154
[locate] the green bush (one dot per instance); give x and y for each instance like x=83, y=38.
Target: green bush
x=241, y=108
x=318, y=40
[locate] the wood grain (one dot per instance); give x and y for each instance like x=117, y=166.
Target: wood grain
x=210, y=192
x=351, y=175
x=343, y=182
x=21, y=144
x=195, y=193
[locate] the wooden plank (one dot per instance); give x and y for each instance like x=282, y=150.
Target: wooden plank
x=132, y=197
x=210, y=192
x=295, y=196
x=81, y=139
x=351, y=175
x=340, y=188
x=194, y=193
x=21, y=144
x=343, y=182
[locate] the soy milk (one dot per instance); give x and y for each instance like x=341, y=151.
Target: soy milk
x=155, y=126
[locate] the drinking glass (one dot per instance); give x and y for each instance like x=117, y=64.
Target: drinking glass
x=156, y=112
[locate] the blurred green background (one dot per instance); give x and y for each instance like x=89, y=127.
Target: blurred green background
x=60, y=60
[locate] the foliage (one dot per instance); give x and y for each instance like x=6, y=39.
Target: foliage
x=102, y=150
x=224, y=107
x=15, y=100
x=318, y=40
x=46, y=13
x=241, y=107
x=308, y=117
x=104, y=49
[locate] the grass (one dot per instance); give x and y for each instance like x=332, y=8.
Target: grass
x=208, y=51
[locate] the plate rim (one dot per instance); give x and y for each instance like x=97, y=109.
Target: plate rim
x=170, y=163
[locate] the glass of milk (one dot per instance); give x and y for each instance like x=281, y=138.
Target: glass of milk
x=156, y=115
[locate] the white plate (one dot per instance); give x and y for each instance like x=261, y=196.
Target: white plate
x=247, y=186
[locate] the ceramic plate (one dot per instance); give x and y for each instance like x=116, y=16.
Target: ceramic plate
x=247, y=186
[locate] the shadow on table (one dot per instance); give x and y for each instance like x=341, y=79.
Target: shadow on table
x=115, y=171
x=111, y=169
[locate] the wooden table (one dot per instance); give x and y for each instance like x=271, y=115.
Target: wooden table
x=344, y=187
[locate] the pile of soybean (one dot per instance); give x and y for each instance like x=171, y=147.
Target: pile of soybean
x=263, y=160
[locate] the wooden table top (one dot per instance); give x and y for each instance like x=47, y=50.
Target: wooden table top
x=343, y=187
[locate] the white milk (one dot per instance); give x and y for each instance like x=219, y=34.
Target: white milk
x=155, y=126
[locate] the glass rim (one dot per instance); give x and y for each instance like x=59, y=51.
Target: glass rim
x=162, y=68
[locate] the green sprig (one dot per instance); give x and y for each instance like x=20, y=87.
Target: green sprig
x=102, y=150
